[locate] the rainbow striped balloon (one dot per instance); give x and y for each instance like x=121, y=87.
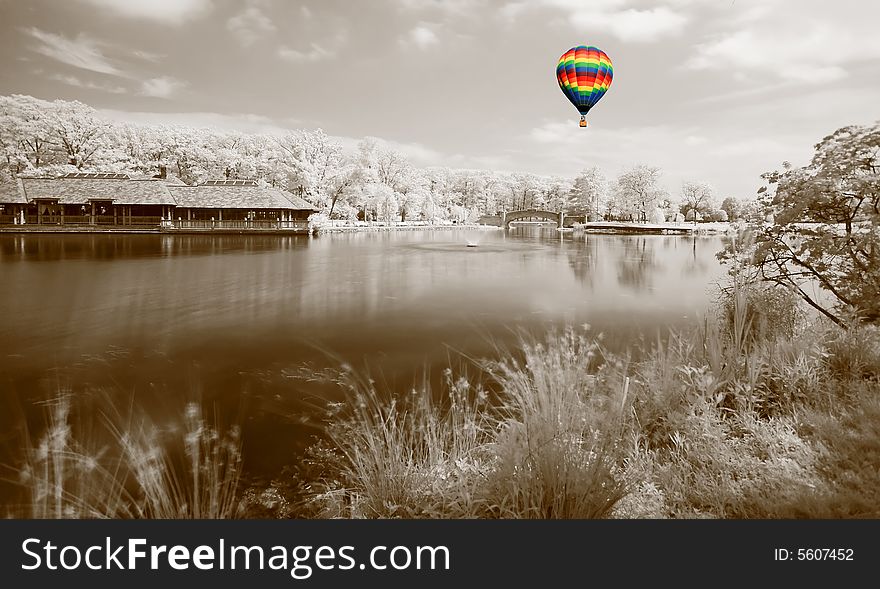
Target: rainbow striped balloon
x=584, y=74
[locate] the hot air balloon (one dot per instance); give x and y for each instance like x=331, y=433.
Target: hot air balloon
x=584, y=74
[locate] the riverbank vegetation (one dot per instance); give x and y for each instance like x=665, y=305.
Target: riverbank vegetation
x=755, y=413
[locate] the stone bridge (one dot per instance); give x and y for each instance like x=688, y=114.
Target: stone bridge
x=505, y=219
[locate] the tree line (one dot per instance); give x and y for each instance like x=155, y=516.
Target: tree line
x=377, y=182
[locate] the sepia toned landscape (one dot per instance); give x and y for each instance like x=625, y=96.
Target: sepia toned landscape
x=328, y=260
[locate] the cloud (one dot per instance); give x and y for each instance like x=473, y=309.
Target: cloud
x=422, y=37
x=621, y=18
x=314, y=53
x=147, y=55
x=752, y=145
x=632, y=25
x=161, y=87
x=82, y=52
x=243, y=122
x=444, y=7
x=790, y=57
x=807, y=49
x=250, y=25
x=421, y=155
x=89, y=85
x=161, y=11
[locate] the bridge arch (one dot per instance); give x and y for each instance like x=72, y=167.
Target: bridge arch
x=511, y=216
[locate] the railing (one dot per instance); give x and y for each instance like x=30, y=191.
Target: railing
x=239, y=224
x=103, y=220
x=44, y=219
x=155, y=221
x=120, y=221
x=77, y=220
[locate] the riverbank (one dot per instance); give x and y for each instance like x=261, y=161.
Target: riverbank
x=753, y=414
x=366, y=226
x=218, y=229
x=657, y=228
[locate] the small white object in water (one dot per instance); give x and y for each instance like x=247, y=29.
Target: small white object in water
x=472, y=244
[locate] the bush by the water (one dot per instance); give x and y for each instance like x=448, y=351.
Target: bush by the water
x=756, y=414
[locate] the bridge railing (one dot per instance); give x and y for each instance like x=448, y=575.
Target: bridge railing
x=512, y=216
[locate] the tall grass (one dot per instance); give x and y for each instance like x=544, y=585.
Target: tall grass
x=416, y=456
x=546, y=445
x=64, y=478
x=755, y=413
x=139, y=470
x=558, y=451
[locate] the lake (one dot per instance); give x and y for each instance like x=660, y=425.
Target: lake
x=233, y=319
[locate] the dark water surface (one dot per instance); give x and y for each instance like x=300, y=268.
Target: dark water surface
x=228, y=319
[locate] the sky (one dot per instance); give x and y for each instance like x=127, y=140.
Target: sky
x=710, y=90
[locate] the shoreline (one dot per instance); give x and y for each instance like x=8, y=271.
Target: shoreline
x=603, y=227
x=356, y=228
x=37, y=230
x=318, y=230
x=655, y=228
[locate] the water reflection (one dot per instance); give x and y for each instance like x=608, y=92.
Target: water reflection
x=162, y=316
x=636, y=267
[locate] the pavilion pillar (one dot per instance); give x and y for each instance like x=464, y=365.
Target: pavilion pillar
x=62, y=214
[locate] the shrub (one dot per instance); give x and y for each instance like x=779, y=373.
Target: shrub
x=409, y=457
x=558, y=453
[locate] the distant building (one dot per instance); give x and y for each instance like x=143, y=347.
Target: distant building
x=13, y=203
x=120, y=200
x=239, y=201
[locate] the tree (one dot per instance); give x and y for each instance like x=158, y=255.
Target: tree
x=589, y=191
x=411, y=193
x=658, y=215
x=826, y=226
x=25, y=131
x=340, y=184
x=523, y=187
x=637, y=192
x=385, y=202
x=392, y=168
x=696, y=200
x=732, y=207
x=78, y=130
x=311, y=159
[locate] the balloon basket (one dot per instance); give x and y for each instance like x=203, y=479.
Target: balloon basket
x=583, y=123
